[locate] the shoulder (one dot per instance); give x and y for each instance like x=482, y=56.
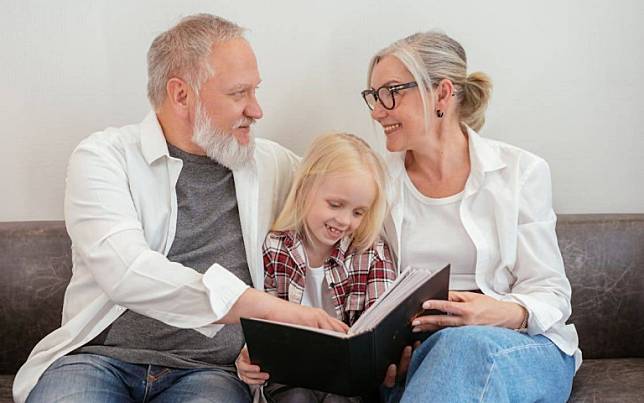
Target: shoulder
x=268, y=152
x=379, y=251
x=515, y=162
x=112, y=143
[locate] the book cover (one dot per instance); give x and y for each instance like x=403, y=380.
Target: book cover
x=349, y=364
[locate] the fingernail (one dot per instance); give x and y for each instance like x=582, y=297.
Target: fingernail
x=415, y=330
x=415, y=323
x=427, y=305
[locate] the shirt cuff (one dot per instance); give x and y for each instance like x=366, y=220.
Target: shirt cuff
x=223, y=287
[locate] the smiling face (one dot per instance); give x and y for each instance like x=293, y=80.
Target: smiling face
x=228, y=97
x=403, y=125
x=337, y=208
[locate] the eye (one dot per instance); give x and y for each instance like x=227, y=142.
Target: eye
x=334, y=204
x=359, y=213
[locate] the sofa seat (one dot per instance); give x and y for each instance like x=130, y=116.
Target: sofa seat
x=609, y=380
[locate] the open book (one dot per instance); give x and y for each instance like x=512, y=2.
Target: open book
x=349, y=364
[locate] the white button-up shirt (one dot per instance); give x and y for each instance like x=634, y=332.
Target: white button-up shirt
x=121, y=214
x=507, y=212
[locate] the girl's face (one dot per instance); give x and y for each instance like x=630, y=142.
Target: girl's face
x=404, y=124
x=337, y=207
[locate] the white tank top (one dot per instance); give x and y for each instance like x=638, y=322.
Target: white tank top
x=433, y=235
x=316, y=291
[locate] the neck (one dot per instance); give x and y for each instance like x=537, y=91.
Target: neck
x=317, y=254
x=178, y=132
x=440, y=155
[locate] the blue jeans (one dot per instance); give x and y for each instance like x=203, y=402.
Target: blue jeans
x=96, y=378
x=487, y=364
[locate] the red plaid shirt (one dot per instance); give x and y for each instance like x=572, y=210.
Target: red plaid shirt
x=355, y=279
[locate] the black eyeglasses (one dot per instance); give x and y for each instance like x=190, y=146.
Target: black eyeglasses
x=385, y=94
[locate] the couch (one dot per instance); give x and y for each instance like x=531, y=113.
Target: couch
x=603, y=254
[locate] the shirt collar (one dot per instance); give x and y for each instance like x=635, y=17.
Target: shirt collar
x=294, y=240
x=153, y=142
x=484, y=157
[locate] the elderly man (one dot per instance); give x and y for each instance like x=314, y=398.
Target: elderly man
x=166, y=218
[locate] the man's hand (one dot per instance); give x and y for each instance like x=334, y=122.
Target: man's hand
x=469, y=308
x=305, y=315
x=247, y=372
x=256, y=304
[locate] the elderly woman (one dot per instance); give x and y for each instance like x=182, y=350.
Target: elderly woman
x=484, y=207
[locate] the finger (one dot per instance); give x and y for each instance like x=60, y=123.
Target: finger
x=434, y=322
x=416, y=344
x=456, y=296
x=334, y=324
x=454, y=308
x=390, y=376
x=404, y=361
x=248, y=368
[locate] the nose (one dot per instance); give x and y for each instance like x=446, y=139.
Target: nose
x=253, y=110
x=343, y=218
x=378, y=112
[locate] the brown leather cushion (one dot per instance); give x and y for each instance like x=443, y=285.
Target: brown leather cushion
x=604, y=260
x=36, y=266
x=609, y=380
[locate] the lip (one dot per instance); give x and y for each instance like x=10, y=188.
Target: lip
x=391, y=128
x=333, y=232
x=242, y=134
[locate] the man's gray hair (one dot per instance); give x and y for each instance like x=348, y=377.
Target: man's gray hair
x=182, y=52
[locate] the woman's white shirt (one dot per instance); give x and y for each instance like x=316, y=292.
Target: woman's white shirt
x=507, y=213
x=435, y=236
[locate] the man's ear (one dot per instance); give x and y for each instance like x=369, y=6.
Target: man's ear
x=180, y=96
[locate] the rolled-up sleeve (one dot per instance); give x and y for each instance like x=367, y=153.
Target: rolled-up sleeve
x=541, y=285
x=108, y=240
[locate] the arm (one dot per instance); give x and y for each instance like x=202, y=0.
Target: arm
x=269, y=267
x=109, y=242
x=382, y=273
x=541, y=292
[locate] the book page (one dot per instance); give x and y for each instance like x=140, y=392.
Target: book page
x=408, y=281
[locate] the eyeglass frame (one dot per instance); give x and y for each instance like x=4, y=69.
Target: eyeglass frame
x=393, y=90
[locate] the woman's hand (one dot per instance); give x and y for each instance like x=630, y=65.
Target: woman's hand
x=247, y=372
x=470, y=308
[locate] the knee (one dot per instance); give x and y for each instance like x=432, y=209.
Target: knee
x=465, y=341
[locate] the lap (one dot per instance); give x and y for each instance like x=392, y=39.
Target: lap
x=484, y=363
x=96, y=378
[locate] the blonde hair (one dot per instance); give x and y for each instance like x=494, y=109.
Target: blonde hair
x=335, y=153
x=182, y=52
x=433, y=56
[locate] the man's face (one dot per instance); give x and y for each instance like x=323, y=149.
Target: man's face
x=227, y=107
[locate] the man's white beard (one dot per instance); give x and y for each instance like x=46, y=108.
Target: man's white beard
x=221, y=146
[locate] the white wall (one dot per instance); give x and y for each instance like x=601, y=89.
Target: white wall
x=568, y=81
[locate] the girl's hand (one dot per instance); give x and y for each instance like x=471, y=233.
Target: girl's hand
x=469, y=308
x=248, y=372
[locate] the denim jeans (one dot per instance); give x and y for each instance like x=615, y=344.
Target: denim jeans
x=486, y=364
x=96, y=378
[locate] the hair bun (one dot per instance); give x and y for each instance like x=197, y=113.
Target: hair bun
x=477, y=89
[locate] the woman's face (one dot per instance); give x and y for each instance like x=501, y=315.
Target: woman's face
x=404, y=124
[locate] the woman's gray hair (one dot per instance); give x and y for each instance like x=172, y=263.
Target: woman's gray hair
x=182, y=52
x=433, y=56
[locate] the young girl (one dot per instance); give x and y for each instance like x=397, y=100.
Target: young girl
x=324, y=250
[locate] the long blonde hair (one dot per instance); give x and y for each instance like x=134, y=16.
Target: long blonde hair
x=335, y=153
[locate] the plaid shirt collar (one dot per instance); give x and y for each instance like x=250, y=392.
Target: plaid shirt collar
x=294, y=242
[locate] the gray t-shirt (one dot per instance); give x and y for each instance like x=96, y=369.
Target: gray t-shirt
x=208, y=231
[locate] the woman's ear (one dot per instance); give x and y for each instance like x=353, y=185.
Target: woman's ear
x=180, y=96
x=444, y=93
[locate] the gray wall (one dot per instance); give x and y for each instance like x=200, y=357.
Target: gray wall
x=567, y=74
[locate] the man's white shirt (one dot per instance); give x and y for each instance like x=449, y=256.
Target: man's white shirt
x=121, y=214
